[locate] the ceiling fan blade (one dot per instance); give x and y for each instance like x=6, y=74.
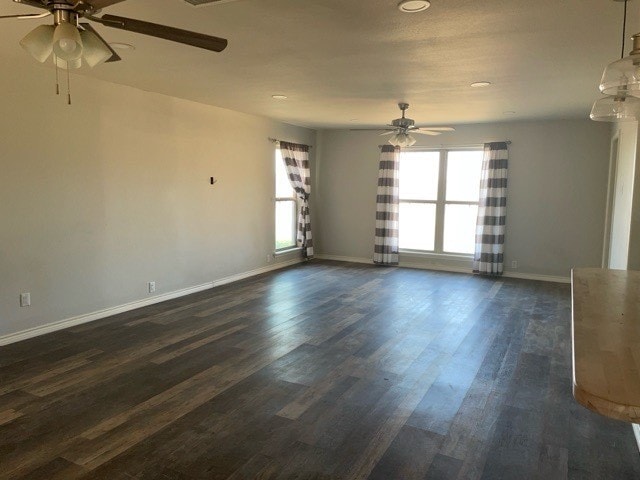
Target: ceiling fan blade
x=25, y=16
x=194, y=39
x=437, y=129
x=426, y=132
x=114, y=56
x=388, y=133
x=381, y=129
x=98, y=4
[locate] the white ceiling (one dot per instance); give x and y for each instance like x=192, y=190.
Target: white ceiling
x=346, y=63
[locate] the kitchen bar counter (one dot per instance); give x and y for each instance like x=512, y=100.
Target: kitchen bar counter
x=606, y=341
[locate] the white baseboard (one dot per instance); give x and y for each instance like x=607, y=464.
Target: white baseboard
x=256, y=271
x=536, y=276
x=447, y=268
x=439, y=267
x=339, y=258
x=108, y=312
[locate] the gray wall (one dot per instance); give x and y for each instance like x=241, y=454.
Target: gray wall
x=98, y=198
x=556, y=204
x=101, y=197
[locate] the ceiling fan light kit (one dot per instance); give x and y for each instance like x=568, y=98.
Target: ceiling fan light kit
x=402, y=127
x=70, y=41
x=95, y=50
x=402, y=140
x=39, y=42
x=67, y=43
x=67, y=65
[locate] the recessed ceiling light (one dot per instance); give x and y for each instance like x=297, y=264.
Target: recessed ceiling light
x=122, y=46
x=413, y=6
x=480, y=84
x=279, y=97
x=509, y=112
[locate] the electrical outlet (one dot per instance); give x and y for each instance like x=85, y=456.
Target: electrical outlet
x=514, y=264
x=152, y=287
x=269, y=257
x=25, y=299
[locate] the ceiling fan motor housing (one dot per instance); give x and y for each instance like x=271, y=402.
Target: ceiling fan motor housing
x=403, y=122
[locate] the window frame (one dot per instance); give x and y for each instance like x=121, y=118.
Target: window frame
x=296, y=207
x=441, y=201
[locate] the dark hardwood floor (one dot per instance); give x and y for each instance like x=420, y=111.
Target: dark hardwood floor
x=321, y=371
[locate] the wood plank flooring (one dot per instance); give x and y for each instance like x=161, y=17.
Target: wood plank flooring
x=321, y=371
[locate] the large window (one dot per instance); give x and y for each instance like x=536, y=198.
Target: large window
x=439, y=192
x=286, y=207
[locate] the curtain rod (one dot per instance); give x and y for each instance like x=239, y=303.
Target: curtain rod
x=443, y=145
x=275, y=140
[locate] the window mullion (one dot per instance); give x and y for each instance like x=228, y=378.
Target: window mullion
x=405, y=200
x=459, y=202
x=442, y=185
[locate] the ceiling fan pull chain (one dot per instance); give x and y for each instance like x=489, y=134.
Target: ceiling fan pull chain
x=57, y=78
x=68, y=86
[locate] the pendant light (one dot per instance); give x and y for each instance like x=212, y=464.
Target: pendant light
x=616, y=108
x=623, y=74
x=620, y=82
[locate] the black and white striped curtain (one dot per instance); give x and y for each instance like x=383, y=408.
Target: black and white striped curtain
x=387, y=207
x=492, y=208
x=296, y=160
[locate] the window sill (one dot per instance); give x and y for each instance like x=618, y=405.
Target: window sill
x=444, y=256
x=284, y=251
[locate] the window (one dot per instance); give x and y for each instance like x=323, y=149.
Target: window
x=286, y=207
x=439, y=192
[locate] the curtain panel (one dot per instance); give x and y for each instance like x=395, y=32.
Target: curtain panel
x=488, y=258
x=387, y=207
x=296, y=160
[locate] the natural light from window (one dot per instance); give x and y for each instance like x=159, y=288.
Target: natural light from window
x=439, y=193
x=286, y=207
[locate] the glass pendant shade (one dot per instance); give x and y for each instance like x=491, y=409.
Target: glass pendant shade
x=402, y=140
x=67, y=65
x=622, y=76
x=616, y=109
x=67, y=44
x=94, y=51
x=39, y=42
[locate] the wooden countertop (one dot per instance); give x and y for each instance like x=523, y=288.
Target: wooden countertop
x=606, y=341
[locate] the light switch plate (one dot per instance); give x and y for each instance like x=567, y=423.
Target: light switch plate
x=25, y=299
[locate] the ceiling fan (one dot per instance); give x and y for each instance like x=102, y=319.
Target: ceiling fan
x=401, y=128
x=71, y=41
